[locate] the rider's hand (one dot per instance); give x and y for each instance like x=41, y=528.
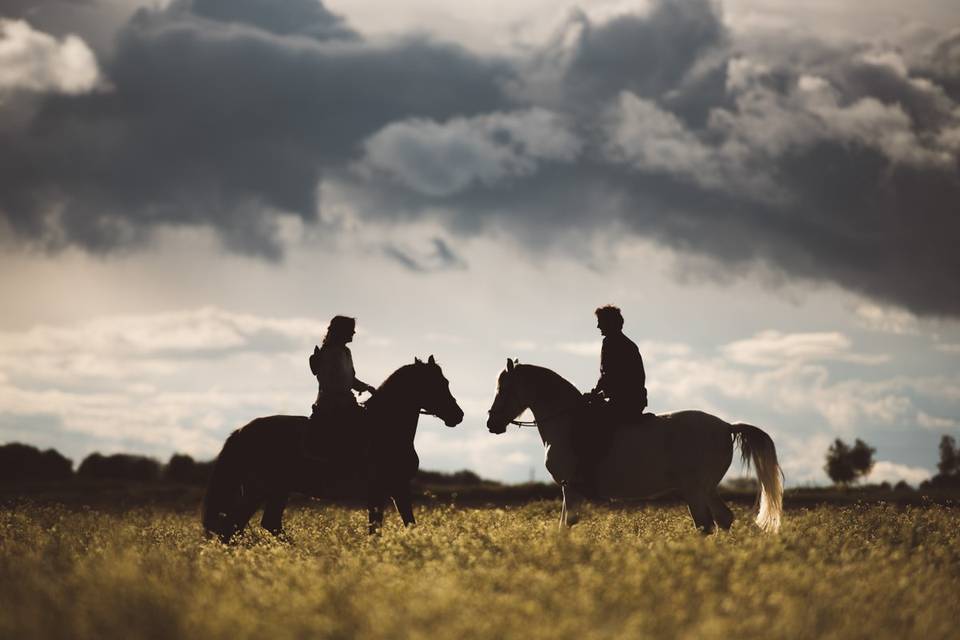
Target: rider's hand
x=371, y=389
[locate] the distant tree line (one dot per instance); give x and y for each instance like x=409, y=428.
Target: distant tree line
x=846, y=464
x=23, y=464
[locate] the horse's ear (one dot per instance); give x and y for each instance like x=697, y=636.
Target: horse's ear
x=516, y=361
x=431, y=360
x=316, y=350
x=509, y=364
x=417, y=361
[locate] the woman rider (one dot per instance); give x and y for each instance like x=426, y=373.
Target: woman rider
x=333, y=365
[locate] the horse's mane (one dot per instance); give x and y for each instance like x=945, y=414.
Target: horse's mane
x=396, y=381
x=547, y=379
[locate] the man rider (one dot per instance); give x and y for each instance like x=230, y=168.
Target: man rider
x=332, y=364
x=622, y=378
x=619, y=397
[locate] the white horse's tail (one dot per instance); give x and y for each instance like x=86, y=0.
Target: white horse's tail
x=757, y=447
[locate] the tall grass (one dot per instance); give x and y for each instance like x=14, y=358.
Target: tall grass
x=849, y=572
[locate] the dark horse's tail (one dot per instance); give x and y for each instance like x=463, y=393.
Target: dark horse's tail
x=224, y=490
x=757, y=447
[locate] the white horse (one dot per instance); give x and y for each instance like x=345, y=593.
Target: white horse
x=688, y=451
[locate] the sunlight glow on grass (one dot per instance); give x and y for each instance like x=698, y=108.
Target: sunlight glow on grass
x=866, y=571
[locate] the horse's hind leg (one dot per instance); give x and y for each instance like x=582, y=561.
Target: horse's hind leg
x=244, y=511
x=699, y=504
x=570, y=513
x=721, y=512
x=404, y=504
x=375, y=501
x=272, y=519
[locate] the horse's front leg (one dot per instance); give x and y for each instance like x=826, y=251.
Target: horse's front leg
x=404, y=503
x=272, y=519
x=570, y=513
x=375, y=501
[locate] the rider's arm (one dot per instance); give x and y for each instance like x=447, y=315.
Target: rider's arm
x=359, y=385
x=605, y=357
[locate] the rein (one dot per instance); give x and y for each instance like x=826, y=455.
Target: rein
x=534, y=423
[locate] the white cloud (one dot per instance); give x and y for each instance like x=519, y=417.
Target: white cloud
x=195, y=332
x=769, y=123
x=791, y=390
x=520, y=345
x=892, y=472
x=190, y=422
x=167, y=381
x=488, y=455
x=736, y=150
x=649, y=349
x=35, y=61
x=935, y=423
x=948, y=347
x=887, y=320
x=443, y=338
x=802, y=457
x=589, y=348
x=652, y=350
x=649, y=138
x=773, y=348
x=440, y=159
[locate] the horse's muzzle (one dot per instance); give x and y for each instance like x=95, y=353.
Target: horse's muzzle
x=455, y=419
x=493, y=427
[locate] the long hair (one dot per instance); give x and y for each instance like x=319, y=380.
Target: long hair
x=339, y=328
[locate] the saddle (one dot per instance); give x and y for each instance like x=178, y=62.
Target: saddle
x=593, y=437
x=335, y=433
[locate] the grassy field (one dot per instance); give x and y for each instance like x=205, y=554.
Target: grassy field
x=834, y=572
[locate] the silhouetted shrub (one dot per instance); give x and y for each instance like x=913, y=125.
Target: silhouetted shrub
x=120, y=466
x=949, y=464
x=459, y=478
x=23, y=463
x=185, y=470
x=845, y=464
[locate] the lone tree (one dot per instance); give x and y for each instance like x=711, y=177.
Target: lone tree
x=846, y=464
x=949, y=464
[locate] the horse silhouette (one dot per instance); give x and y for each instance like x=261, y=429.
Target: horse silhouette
x=689, y=451
x=263, y=462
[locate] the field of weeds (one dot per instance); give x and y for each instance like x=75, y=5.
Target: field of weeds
x=834, y=572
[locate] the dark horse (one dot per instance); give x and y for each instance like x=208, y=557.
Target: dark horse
x=263, y=462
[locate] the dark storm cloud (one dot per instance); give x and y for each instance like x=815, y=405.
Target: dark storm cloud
x=291, y=17
x=829, y=162
x=222, y=123
x=439, y=257
x=834, y=163
x=646, y=55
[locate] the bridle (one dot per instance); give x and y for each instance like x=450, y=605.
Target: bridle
x=535, y=423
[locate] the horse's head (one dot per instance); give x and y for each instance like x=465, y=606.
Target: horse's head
x=435, y=397
x=508, y=404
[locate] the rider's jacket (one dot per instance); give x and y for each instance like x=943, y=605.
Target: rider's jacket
x=622, y=378
x=333, y=366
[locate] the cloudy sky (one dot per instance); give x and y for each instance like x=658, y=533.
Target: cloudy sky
x=189, y=190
